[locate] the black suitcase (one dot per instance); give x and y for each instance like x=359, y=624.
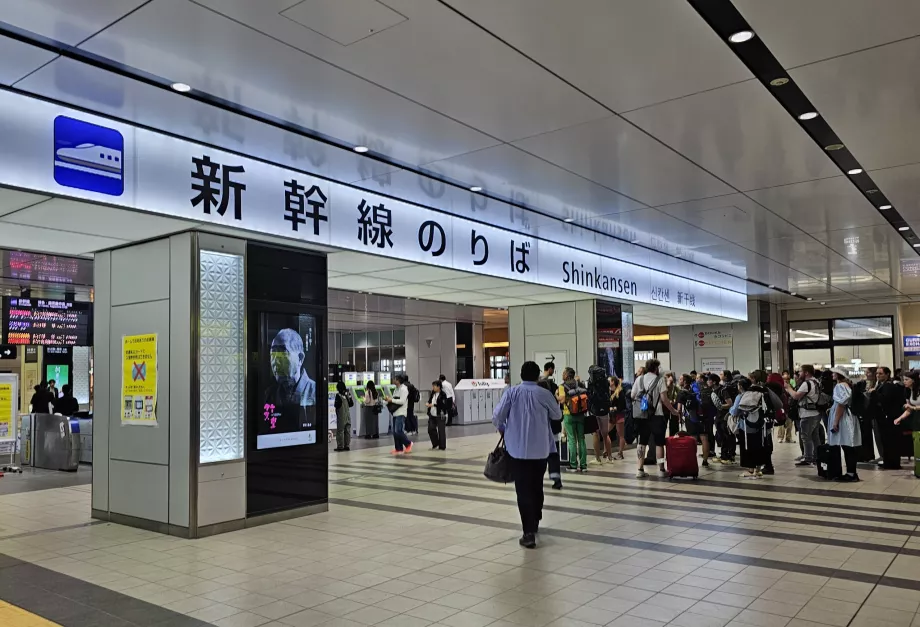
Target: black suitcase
x=829, y=466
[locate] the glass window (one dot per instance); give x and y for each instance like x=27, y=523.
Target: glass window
x=373, y=339
x=399, y=359
x=809, y=331
x=386, y=338
x=820, y=358
x=373, y=359
x=857, y=358
x=361, y=359
x=348, y=340
x=399, y=337
x=863, y=329
x=360, y=340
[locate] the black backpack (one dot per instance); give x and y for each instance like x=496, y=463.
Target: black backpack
x=414, y=396
x=598, y=392
x=629, y=430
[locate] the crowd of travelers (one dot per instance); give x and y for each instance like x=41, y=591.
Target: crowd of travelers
x=736, y=420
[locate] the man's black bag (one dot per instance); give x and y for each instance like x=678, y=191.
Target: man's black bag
x=498, y=464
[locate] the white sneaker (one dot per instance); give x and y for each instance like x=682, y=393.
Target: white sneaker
x=641, y=474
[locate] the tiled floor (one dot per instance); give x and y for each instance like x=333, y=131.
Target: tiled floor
x=12, y=616
x=426, y=540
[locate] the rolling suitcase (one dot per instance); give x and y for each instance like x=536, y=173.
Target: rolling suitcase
x=680, y=457
x=829, y=465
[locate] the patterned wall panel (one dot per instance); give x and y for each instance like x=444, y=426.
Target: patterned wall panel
x=221, y=358
x=80, y=375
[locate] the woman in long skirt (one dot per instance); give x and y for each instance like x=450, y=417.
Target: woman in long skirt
x=843, y=426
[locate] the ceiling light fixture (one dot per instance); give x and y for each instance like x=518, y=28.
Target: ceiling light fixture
x=793, y=294
x=809, y=298
x=779, y=82
x=832, y=147
x=361, y=149
x=823, y=302
x=855, y=171
x=872, y=191
x=741, y=36
x=916, y=245
x=569, y=220
x=475, y=188
x=884, y=207
x=182, y=88
x=772, y=287
x=810, y=115
x=903, y=228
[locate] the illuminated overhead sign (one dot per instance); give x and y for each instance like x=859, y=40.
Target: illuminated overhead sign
x=57, y=150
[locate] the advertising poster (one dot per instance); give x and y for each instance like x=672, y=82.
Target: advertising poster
x=139, y=380
x=58, y=373
x=289, y=358
x=7, y=400
x=711, y=339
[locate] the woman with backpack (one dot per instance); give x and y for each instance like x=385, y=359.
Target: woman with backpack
x=842, y=427
x=343, y=404
x=618, y=412
x=574, y=398
x=747, y=422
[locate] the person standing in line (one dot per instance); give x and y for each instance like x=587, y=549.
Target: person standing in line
x=67, y=405
x=652, y=426
x=843, y=428
x=437, y=416
x=523, y=417
x=574, y=424
x=618, y=413
x=889, y=405
x=52, y=388
x=371, y=411
x=689, y=406
x=414, y=397
x=555, y=466
x=448, y=390
x=723, y=395
x=399, y=406
x=910, y=418
x=809, y=416
x=673, y=392
x=343, y=404
x=42, y=399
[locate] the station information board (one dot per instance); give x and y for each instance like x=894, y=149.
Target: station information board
x=46, y=322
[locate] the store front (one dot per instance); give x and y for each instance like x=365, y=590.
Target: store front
x=851, y=343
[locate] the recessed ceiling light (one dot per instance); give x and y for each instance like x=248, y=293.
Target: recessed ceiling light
x=793, y=293
x=779, y=82
x=569, y=220
x=916, y=245
x=475, y=188
x=182, y=88
x=823, y=302
x=741, y=36
x=903, y=228
x=810, y=115
x=772, y=287
x=361, y=149
x=855, y=171
x=809, y=298
x=872, y=191
x=883, y=207
x=831, y=147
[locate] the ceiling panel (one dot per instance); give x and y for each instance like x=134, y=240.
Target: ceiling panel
x=89, y=219
x=357, y=282
x=419, y=274
x=739, y=133
x=13, y=200
x=438, y=59
x=48, y=239
x=604, y=47
x=819, y=206
x=621, y=157
x=182, y=41
x=734, y=217
x=67, y=21
x=804, y=32
x=413, y=290
x=902, y=187
x=354, y=263
x=18, y=59
x=868, y=99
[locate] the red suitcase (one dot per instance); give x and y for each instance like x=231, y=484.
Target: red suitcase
x=680, y=457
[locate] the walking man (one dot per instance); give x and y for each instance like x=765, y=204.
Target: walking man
x=523, y=417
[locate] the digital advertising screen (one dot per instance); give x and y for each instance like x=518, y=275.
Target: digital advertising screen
x=58, y=373
x=46, y=322
x=288, y=371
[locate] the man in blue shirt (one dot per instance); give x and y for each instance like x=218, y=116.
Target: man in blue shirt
x=523, y=416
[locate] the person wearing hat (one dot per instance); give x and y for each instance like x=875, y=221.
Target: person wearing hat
x=843, y=428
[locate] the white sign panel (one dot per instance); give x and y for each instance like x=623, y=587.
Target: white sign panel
x=714, y=365
x=560, y=358
x=54, y=149
x=712, y=339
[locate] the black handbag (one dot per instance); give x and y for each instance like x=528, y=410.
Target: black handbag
x=498, y=464
x=392, y=407
x=591, y=425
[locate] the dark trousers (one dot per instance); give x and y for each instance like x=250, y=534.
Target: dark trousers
x=891, y=446
x=528, y=483
x=849, y=456
x=437, y=432
x=729, y=442
x=555, y=466
x=412, y=423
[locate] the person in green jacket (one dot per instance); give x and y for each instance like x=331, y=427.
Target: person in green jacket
x=570, y=393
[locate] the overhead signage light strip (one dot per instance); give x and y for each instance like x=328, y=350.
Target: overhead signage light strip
x=61, y=151
x=725, y=19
